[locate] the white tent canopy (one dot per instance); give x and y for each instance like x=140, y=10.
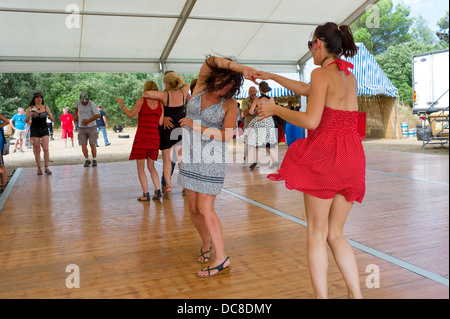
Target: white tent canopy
x=153, y=35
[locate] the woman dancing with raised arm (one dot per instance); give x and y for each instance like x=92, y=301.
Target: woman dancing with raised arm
x=174, y=100
x=146, y=142
x=209, y=124
x=329, y=165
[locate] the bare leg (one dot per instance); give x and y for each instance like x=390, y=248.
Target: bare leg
x=153, y=173
x=205, y=207
x=167, y=166
x=3, y=176
x=199, y=222
x=85, y=151
x=93, y=151
x=45, y=140
x=179, y=152
x=142, y=176
x=37, y=150
x=317, y=212
x=342, y=250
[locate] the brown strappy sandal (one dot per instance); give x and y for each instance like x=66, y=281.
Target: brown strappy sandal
x=144, y=198
x=157, y=195
x=48, y=172
x=39, y=171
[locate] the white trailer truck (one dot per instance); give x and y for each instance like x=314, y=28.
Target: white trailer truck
x=431, y=95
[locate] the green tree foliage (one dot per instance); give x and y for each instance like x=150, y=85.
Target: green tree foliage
x=443, y=23
x=394, y=37
x=383, y=26
x=63, y=89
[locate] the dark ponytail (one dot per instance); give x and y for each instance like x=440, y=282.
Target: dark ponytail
x=338, y=39
x=264, y=87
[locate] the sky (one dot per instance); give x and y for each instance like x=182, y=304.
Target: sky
x=431, y=10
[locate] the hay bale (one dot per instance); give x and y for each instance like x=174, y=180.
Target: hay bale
x=380, y=112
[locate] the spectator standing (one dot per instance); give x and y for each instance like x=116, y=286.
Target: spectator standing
x=86, y=114
x=50, y=126
x=38, y=113
x=67, y=125
x=18, y=124
x=102, y=125
x=247, y=117
x=3, y=173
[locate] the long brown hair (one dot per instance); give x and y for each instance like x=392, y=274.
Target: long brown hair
x=35, y=95
x=226, y=76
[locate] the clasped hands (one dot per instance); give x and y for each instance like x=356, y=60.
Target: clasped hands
x=264, y=110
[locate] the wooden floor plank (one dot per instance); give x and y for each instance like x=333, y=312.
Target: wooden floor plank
x=126, y=249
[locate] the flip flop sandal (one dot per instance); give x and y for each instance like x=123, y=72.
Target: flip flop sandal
x=206, y=259
x=221, y=270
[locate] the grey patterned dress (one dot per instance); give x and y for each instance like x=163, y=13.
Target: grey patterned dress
x=204, y=159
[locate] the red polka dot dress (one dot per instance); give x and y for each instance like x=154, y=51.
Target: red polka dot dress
x=330, y=161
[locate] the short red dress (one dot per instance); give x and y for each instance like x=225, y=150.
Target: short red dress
x=146, y=141
x=329, y=161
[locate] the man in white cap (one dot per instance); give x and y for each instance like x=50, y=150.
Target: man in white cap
x=86, y=114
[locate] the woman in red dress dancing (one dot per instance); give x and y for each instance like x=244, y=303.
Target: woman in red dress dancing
x=329, y=165
x=146, y=141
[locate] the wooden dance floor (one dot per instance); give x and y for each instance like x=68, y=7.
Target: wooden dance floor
x=89, y=217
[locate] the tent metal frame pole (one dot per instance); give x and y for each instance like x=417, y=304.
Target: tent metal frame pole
x=177, y=30
x=162, y=16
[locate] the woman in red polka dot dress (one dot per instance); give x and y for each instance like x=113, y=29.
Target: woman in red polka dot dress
x=328, y=166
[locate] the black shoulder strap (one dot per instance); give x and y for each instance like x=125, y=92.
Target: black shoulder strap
x=184, y=98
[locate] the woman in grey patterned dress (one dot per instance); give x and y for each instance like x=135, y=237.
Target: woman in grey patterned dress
x=209, y=124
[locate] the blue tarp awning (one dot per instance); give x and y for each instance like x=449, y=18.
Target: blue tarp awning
x=443, y=35
x=371, y=78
